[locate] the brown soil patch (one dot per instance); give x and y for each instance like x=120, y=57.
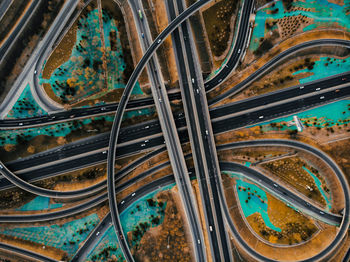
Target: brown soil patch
x=169, y=241
x=61, y=53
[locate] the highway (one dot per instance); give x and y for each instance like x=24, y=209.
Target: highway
x=4, y=6
x=132, y=138
x=171, y=138
x=119, y=114
x=25, y=253
x=198, y=126
x=77, y=113
x=346, y=216
x=18, y=29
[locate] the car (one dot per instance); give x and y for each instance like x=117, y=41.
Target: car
x=142, y=145
x=321, y=212
x=104, y=152
x=34, y=72
x=206, y=132
x=103, y=108
x=122, y=202
x=301, y=87
x=159, y=40
x=198, y=241
x=275, y=185
x=197, y=90
x=140, y=14
x=72, y=116
x=318, y=89
x=20, y=124
x=210, y=228
x=97, y=233
x=239, y=51
x=133, y=194
x=261, y=117
x=146, y=140
x=220, y=80
x=1, y=167
x=160, y=100
x=53, y=117
x=146, y=127
x=322, y=97
x=192, y=80
x=142, y=35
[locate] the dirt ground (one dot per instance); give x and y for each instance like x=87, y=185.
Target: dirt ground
x=172, y=233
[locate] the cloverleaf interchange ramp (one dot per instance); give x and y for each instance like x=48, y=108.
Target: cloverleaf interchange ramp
x=113, y=153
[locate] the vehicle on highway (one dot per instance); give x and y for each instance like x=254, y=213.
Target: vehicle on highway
x=192, y=80
x=198, y=241
x=35, y=72
x=159, y=40
x=146, y=140
x=321, y=212
x=239, y=51
x=103, y=108
x=318, y=89
x=160, y=100
x=275, y=185
x=261, y=117
x=97, y=233
x=142, y=145
x=197, y=91
x=72, y=116
x=122, y=202
x=146, y=127
x=0, y=166
x=104, y=152
x=133, y=194
x=206, y=132
x=20, y=124
x=301, y=87
x=210, y=228
x=322, y=97
x=140, y=14
x=142, y=35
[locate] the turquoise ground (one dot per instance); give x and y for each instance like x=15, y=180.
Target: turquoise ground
x=323, y=12
x=26, y=106
x=39, y=203
x=255, y=204
x=319, y=186
x=327, y=115
x=136, y=213
x=66, y=237
x=82, y=70
x=324, y=67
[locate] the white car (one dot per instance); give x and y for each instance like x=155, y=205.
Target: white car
x=198, y=241
x=35, y=72
x=97, y=233
x=143, y=145
x=20, y=124
x=275, y=185
x=133, y=194
x=321, y=212
x=206, y=132
x=104, y=152
x=322, y=97
x=210, y=228
x=159, y=40
x=261, y=117
x=192, y=81
x=146, y=127
x=318, y=89
x=239, y=51
x=122, y=202
x=301, y=87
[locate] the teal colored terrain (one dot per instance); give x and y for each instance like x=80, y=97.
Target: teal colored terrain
x=65, y=237
x=323, y=13
x=26, y=106
x=138, y=218
x=39, y=203
x=320, y=188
